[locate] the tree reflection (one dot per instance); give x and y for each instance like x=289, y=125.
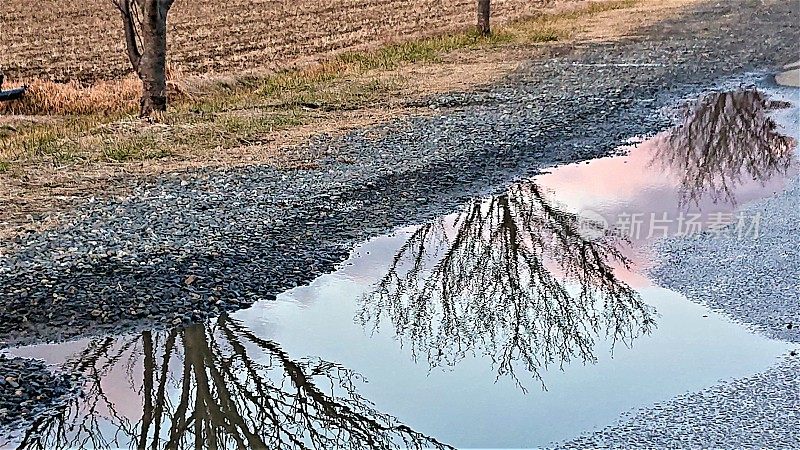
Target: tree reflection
x=726, y=139
x=217, y=386
x=514, y=278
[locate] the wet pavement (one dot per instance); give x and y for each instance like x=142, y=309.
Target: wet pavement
x=522, y=319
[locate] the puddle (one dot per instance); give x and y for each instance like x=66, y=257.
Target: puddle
x=731, y=148
x=519, y=320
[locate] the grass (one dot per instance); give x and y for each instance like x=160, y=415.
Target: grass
x=420, y=51
x=56, y=142
x=176, y=134
x=141, y=148
x=327, y=93
x=545, y=28
x=228, y=111
x=42, y=143
x=104, y=98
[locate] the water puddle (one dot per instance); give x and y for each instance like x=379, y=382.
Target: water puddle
x=519, y=320
x=730, y=148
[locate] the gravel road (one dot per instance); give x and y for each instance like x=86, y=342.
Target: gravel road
x=188, y=246
x=185, y=247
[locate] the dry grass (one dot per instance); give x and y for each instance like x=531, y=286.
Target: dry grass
x=49, y=98
x=105, y=98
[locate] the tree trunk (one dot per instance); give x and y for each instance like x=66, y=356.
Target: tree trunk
x=153, y=63
x=483, y=17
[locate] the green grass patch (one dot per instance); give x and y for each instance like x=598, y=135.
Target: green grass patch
x=330, y=94
x=419, y=51
x=542, y=28
x=54, y=144
x=252, y=127
x=135, y=148
x=221, y=131
x=546, y=34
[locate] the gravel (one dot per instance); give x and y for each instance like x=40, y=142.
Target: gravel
x=754, y=281
x=761, y=411
x=28, y=388
x=186, y=247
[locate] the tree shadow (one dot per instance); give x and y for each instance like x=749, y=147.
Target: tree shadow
x=514, y=278
x=217, y=386
x=726, y=139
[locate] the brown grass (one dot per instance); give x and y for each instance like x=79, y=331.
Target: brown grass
x=49, y=98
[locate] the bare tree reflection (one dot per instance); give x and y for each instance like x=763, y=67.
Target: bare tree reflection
x=218, y=386
x=726, y=139
x=514, y=278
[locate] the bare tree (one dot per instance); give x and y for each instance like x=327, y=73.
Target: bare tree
x=725, y=139
x=513, y=278
x=484, y=11
x=145, y=25
x=216, y=385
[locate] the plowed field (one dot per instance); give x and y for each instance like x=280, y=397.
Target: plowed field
x=82, y=40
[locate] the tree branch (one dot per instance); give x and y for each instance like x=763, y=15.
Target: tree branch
x=131, y=37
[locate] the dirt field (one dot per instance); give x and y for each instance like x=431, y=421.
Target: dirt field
x=51, y=163
x=82, y=41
